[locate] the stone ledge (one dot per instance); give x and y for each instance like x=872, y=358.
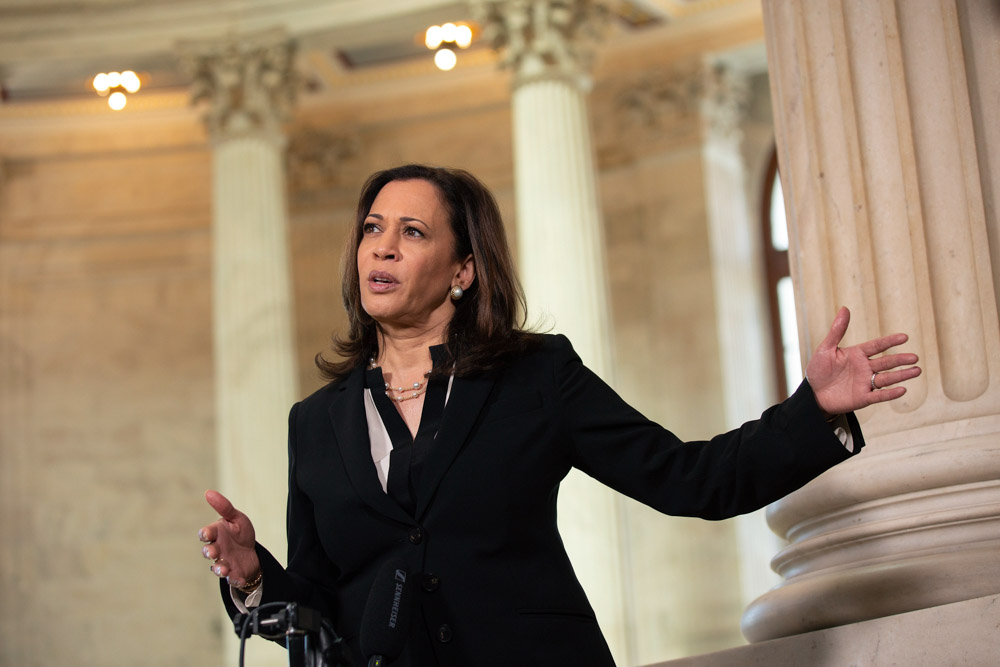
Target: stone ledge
x=962, y=633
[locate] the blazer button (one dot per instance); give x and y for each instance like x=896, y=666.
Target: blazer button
x=444, y=634
x=431, y=583
x=416, y=536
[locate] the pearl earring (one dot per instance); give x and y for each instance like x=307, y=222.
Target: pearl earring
x=456, y=292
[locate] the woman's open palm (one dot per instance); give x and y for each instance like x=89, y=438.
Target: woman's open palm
x=848, y=379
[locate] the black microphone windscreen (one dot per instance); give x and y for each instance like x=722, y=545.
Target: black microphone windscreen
x=387, y=613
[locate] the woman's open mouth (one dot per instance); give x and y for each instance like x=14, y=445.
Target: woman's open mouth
x=380, y=281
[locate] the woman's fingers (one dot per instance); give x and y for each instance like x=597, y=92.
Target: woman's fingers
x=886, y=394
x=221, y=505
x=223, y=567
x=211, y=551
x=228, y=542
x=881, y=364
x=880, y=345
x=208, y=533
x=888, y=378
x=837, y=330
x=224, y=508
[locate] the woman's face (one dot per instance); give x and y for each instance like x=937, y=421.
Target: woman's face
x=406, y=259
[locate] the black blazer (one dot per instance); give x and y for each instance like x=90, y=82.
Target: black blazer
x=495, y=586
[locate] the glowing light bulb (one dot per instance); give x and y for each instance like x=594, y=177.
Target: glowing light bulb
x=432, y=38
x=117, y=100
x=448, y=32
x=445, y=59
x=463, y=36
x=101, y=82
x=130, y=80
x=114, y=79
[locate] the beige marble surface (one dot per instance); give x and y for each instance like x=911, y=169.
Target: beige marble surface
x=962, y=633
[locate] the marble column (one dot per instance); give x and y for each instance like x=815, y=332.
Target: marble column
x=888, y=133
x=561, y=250
x=249, y=85
x=748, y=386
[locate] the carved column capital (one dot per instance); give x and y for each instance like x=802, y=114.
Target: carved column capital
x=543, y=39
x=249, y=81
x=725, y=101
x=317, y=160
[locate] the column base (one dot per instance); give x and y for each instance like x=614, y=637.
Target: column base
x=874, y=591
x=913, y=523
x=962, y=633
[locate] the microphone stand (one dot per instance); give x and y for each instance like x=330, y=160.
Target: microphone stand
x=299, y=626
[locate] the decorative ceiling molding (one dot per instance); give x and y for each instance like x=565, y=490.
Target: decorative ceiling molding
x=50, y=49
x=43, y=33
x=677, y=9
x=177, y=99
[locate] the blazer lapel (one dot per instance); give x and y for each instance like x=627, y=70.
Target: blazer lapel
x=350, y=427
x=468, y=395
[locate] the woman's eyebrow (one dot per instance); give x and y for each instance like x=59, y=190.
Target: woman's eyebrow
x=404, y=218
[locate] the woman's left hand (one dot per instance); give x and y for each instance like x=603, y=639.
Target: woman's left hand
x=842, y=378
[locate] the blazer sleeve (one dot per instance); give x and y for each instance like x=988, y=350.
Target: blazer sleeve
x=309, y=577
x=733, y=473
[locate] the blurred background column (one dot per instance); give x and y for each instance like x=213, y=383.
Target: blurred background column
x=748, y=386
x=888, y=133
x=249, y=84
x=560, y=240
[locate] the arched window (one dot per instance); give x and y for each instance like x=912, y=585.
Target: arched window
x=784, y=330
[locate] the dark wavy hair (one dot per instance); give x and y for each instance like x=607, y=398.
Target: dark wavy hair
x=488, y=326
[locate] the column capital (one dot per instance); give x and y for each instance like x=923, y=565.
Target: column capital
x=249, y=81
x=544, y=39
x=725, y=101
x=317, y=159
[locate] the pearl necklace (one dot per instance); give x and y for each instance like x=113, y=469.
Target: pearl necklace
x=417, y=389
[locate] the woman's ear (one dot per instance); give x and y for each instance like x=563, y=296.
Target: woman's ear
x=466, y=273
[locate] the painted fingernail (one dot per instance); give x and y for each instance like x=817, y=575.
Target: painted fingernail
x=204, y=552
x=218, y=570
x=201, y=536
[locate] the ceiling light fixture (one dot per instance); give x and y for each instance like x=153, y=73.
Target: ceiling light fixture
x=114, y=85
x=444, y=39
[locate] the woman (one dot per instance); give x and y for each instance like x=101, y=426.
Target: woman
x=443, y=436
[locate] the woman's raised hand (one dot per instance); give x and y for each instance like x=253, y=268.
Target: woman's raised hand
x=229, y=542
x=847, y=379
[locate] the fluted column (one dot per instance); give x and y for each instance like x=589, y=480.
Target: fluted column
x=561, y=240
x=249, y=84
x=889, y=147
x=748, y=388
x=561, y=248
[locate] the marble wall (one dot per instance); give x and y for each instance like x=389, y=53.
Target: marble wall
x=106, y=415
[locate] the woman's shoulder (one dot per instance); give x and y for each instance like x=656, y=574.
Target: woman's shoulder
x=322, y=397
x=555, y=341
x=547, y=350
x=556, y=344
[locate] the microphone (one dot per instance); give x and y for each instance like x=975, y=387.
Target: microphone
x=387, y=615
